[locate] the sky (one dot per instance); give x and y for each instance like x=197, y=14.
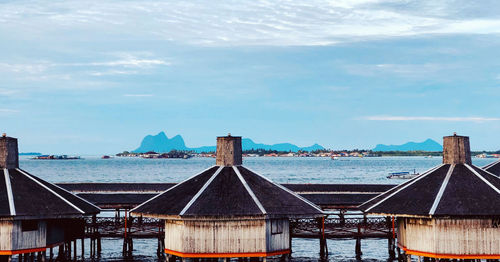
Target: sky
x=90, y=77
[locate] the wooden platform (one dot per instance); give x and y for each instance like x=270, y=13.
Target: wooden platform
x=129, y=195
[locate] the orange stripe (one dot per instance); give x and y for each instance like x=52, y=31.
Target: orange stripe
x=31, y=250
x=213, y=255
x=21, y=251
x=452, y=256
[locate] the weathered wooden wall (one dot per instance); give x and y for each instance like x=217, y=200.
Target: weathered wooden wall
x=225, y=236
x=450, y=236
x=278, y=241
x=12, y=237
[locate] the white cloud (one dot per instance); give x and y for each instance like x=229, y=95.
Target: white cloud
x=431, y=118
x=6, y=111
x=138, y=95
x=406, y=70
x=251, y=22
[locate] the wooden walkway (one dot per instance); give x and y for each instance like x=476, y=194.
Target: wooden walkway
x=340, y=200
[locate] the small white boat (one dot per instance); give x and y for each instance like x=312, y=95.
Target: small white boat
x=402, y=175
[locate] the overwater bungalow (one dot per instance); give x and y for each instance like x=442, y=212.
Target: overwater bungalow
x=227, y=211
x=451, y=211
x=35, y=215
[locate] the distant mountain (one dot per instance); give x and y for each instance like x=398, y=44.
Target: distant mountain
x=30, y=154
x=161, y=143
x=427, y=145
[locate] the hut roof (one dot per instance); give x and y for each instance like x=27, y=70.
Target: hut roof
x=446, y=190
x=493, y=168
x=227, y=191
x=23, y=195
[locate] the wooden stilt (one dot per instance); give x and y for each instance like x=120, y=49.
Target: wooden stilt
x=83, y=249
x=99, y=247
x=4, y=258
x=290, y=230
x=51, y=254
x=358, y=244
x=74, y=250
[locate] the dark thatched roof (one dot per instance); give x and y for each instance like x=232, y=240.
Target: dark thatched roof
x=228, y=191
x=24, y=195
x=447, y=190
x=493, y=168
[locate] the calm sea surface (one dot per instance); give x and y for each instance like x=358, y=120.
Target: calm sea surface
x=282, y=170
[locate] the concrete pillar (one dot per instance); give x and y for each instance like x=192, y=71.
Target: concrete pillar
x=229, y=152
x=9, y=156
x=456, y=150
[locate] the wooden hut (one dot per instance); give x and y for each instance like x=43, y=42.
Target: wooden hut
x=451, y=211
x=227, y=211
x=34, y=214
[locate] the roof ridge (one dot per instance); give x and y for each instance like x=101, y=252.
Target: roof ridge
x=488, y=172
x=287, y=190
x=411, y=182
x=491, y=164
x=482, y=178
x=441, y=190
x=249, y=190
x=172, y=187
x=188, y=205
x=51, y=191
x=71, y=193
x=8, y=186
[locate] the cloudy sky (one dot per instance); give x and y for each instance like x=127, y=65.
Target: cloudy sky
x=96, y=76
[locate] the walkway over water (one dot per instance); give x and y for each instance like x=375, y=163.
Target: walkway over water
x=129, y=195
x=342, y=200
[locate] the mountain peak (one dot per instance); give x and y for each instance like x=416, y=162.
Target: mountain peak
x=160, y=143
x=427, y=145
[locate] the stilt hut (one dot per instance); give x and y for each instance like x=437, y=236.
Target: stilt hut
x=493, y=168
x=451, y=211
x=227, y=211
x=34, y=214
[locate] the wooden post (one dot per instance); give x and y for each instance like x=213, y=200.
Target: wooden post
x=4, y=258
x=98, y=244
x=74, y=249
x=358, y=244
x=290, y=233
x=83, y=249
x=51, y=254
x=322, y=238
x=60, y=254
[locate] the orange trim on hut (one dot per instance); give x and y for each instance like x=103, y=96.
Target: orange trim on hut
x=215, y=255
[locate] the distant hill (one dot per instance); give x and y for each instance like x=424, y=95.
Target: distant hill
x=427, y=145
x=30, y=154
x=161, y=143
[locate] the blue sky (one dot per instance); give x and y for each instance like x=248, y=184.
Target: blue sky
x=90, y=77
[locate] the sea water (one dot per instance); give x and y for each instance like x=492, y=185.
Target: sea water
x=368, y=170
